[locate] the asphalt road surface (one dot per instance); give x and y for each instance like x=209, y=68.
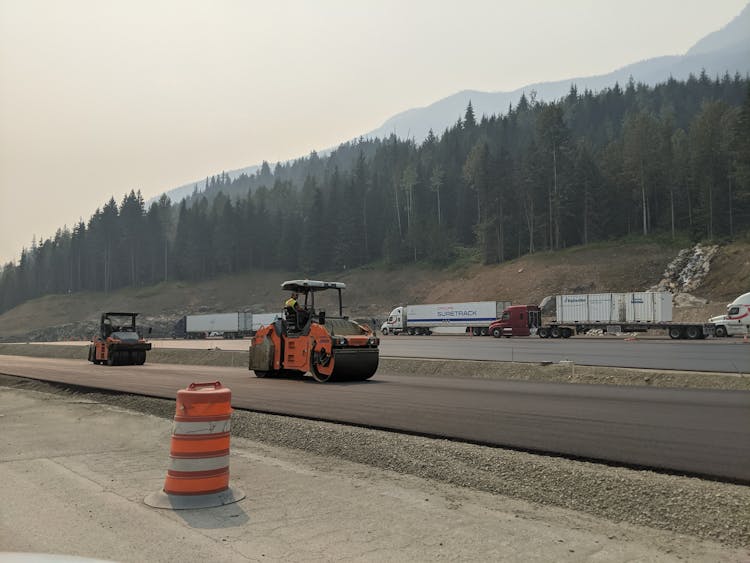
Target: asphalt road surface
x=701, y=432
x=725, y=355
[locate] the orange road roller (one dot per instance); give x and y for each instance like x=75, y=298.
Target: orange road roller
x=118, y=342
x=305, y=339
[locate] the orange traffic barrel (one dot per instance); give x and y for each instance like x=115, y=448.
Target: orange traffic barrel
x=198, y=474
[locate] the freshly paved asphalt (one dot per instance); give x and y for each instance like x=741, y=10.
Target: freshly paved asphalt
x=702, y=432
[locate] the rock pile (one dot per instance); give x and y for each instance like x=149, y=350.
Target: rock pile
x=595, y=332
x=686, y=273
x=688, y=300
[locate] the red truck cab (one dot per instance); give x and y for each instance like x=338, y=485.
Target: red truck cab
x=517, y=320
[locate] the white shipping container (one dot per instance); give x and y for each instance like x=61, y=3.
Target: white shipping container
x=649, y=307
x=219, y=322
x=615, y=308
x=590, y=308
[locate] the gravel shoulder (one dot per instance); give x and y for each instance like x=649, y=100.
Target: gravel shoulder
x=685, y=507
x=557, y=373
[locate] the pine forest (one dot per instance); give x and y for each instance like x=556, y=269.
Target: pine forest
x=670, y=160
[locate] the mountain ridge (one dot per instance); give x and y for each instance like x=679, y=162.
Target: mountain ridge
x=735, y=32
x=723, y=50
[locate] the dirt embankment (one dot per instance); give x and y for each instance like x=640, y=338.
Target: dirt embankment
x=374, y=291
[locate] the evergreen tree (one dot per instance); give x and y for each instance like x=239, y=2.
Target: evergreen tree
x=469, y=118
x=673, y=158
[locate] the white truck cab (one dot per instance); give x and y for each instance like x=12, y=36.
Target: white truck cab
x=396, y=322
x=737, y=319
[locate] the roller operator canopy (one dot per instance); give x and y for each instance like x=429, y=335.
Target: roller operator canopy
x=131, y=317
x=304, y=286
x=121, y=314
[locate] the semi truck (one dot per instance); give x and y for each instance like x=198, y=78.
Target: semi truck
x=609, y=312
x=736, y=321
x=229, y=325
x=475, y=317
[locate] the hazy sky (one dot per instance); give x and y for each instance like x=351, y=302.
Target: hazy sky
x=98, y=97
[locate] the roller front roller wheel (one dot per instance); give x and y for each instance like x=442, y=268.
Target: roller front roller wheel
x=348, y=365
x=265, y=373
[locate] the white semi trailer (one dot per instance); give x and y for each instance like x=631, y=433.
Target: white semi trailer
x=614, y=308
x=474, y=317
x=230, y=325
x=633, y=311
x=637, y=311
x=736, y=321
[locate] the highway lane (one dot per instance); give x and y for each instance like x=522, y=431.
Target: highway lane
x=695, y=431
x=726, y=355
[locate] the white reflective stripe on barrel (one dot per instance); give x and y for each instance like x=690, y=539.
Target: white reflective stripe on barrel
x=198, y=464
x=204, y=427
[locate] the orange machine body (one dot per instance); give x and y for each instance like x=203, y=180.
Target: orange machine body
x=118, y=344
x=331, y=348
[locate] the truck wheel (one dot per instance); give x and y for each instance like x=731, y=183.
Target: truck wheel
x=476, y=331
x=418, y=332
x=410, y=332
x=497, y=333
x=675, y=332
x=555, y=332
x=721, y=331
x=567, y=333
x=543, y=332
x=385, y=331
x=484, y=331
x=693, y=332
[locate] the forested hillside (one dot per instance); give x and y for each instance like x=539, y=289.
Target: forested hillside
x=669, y=159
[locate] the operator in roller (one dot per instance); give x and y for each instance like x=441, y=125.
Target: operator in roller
x=295, y=312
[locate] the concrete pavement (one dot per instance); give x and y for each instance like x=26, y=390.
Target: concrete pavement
x=73, y=475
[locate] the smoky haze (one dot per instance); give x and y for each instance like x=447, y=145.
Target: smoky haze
x=98, y=98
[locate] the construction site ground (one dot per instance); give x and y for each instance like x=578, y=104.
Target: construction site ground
x=75, y=468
